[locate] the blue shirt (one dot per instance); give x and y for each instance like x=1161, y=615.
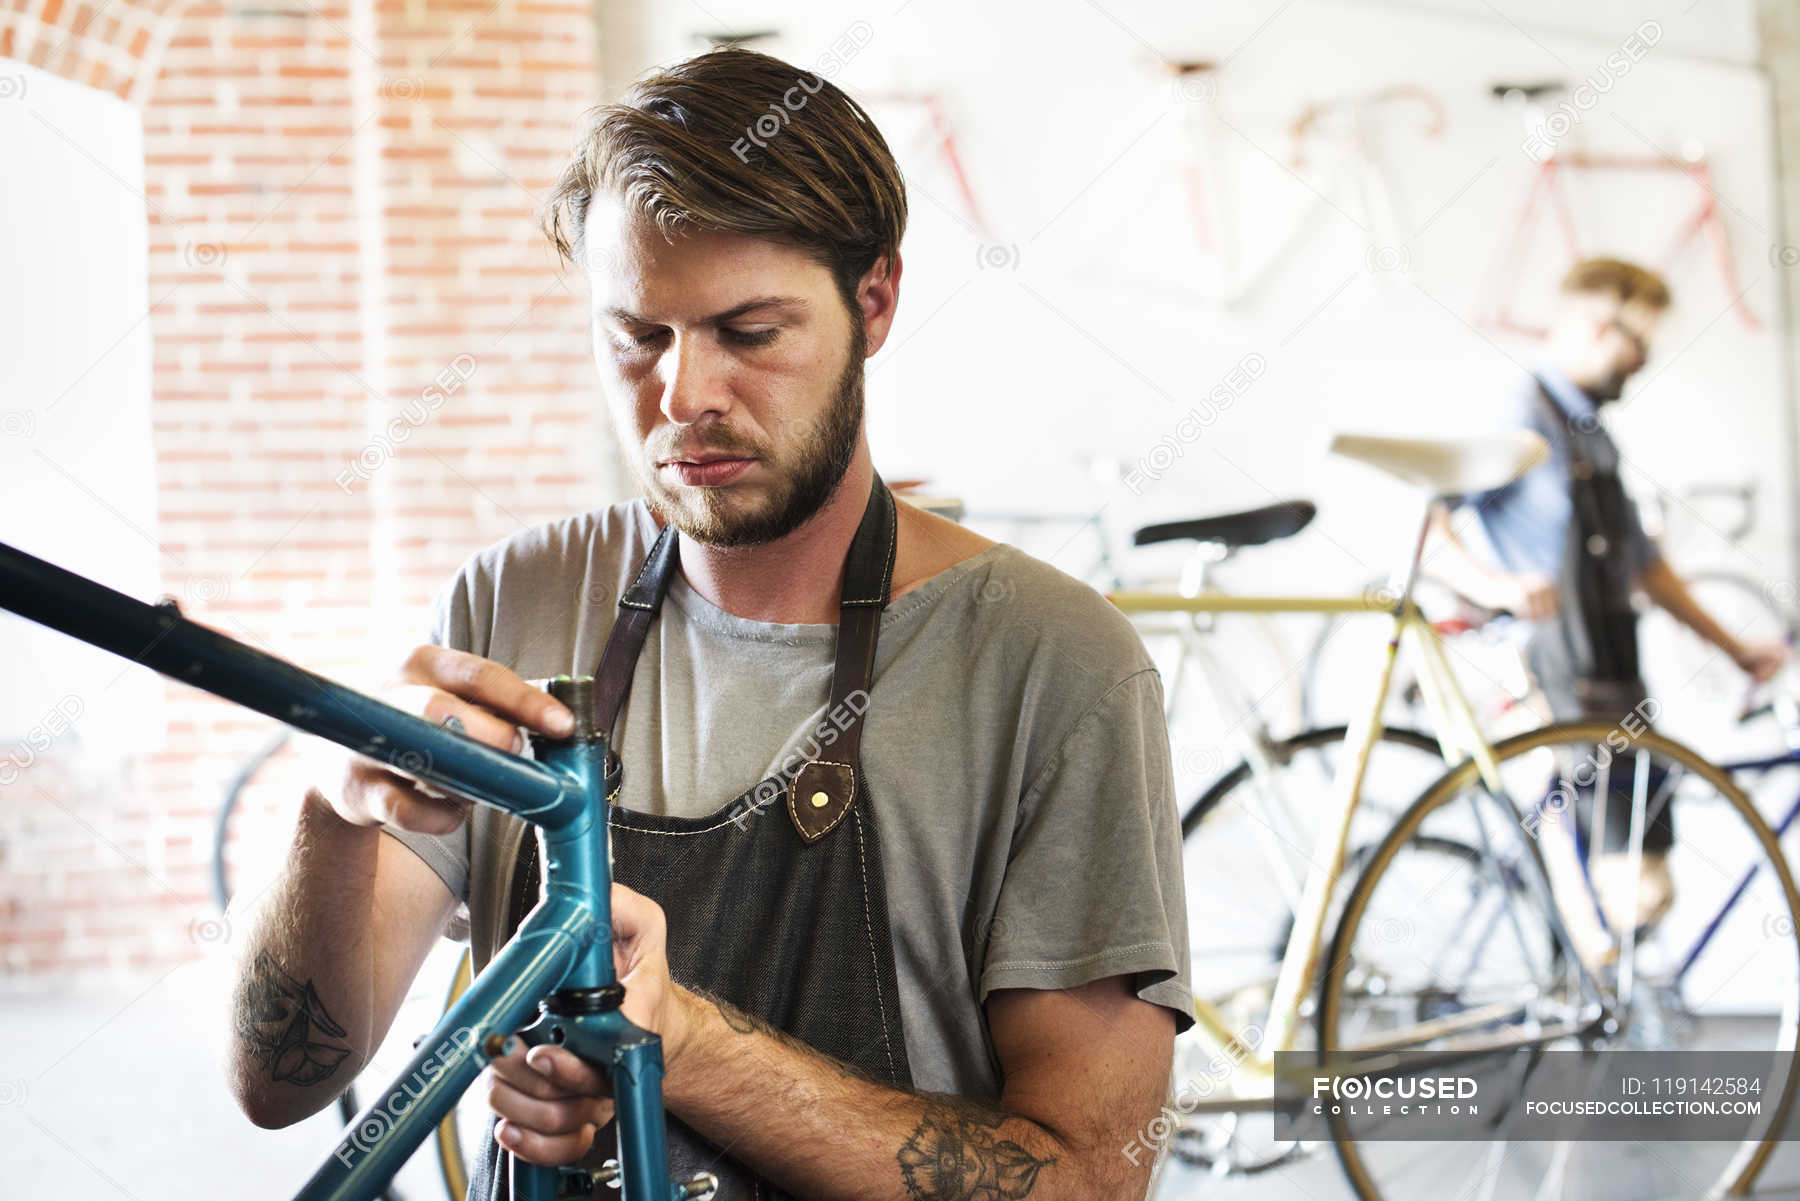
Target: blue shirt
x=1528, y=520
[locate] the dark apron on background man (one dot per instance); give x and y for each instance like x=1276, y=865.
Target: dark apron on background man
x=776, y=902
x=1586, y=657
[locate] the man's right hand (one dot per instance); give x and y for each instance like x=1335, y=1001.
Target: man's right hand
x=1527, y=595
x=438, y=683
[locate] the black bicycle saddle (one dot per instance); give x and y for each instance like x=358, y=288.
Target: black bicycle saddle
x=1252, y=527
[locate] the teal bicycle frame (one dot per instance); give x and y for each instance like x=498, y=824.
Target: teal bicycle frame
x=558, y=968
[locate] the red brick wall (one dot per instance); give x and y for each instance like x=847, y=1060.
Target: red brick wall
x=341, y=205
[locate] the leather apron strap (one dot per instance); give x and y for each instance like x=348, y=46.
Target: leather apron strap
x=1589, y=657
x=822, y=791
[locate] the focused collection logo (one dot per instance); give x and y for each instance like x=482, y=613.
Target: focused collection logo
x=1394, y=1096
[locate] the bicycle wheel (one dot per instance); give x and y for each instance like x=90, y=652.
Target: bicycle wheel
x=452, y=1163
x=228, y=807
x=1442, y=961
x=1324, y=743
x=1246, y=840
x=439, y=1164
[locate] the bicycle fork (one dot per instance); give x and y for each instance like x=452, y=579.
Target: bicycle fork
x=559, y=968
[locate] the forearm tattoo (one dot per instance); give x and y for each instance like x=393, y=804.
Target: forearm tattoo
x=285, y=1026
x=954, y=1155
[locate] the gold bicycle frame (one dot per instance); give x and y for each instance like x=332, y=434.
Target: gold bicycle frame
x=1454, y=725
x=1252, y=1083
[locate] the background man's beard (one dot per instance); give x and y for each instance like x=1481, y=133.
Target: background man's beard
x=820, y=458
x=1608, y=387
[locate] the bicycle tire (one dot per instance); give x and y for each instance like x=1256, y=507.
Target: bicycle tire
x=448, y=1139
x=246, y=772
x=1284, y=749
x=1190, y=1142
x=1739, y=1174
x=1184, y=1142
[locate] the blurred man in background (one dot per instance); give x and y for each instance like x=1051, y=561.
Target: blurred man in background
x=1573, y=553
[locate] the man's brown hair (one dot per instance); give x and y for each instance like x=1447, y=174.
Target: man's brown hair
x=1625, y=282
x=735, y=141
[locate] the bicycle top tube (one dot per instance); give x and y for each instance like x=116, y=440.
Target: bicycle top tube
x=1238, y=602
x=159, y=637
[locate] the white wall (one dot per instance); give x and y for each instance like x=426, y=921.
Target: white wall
x=1087, y=322
x=1094, y=334
x=75, y=344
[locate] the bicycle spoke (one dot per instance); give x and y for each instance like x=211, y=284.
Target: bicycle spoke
x=1666, y=790
x=1596, y=844
x=1640, y=791
x=1410, y=974
x=1488, y=857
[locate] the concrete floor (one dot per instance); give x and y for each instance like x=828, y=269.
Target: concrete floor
x=121, y=1098
x=1317, y=1177
x=113, y=1097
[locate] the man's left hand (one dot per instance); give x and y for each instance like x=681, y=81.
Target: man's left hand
x=1761, y=660
x=551, y=1103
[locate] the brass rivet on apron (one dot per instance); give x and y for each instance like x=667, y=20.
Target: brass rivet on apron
x=820, y=800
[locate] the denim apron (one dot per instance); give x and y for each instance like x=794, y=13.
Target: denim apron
x=1586, y=657
x=776, y=900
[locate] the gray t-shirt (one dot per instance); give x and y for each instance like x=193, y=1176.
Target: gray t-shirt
x=1014, y=747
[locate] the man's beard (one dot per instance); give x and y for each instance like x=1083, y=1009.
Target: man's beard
x=820, y=457
x=1607, y=388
